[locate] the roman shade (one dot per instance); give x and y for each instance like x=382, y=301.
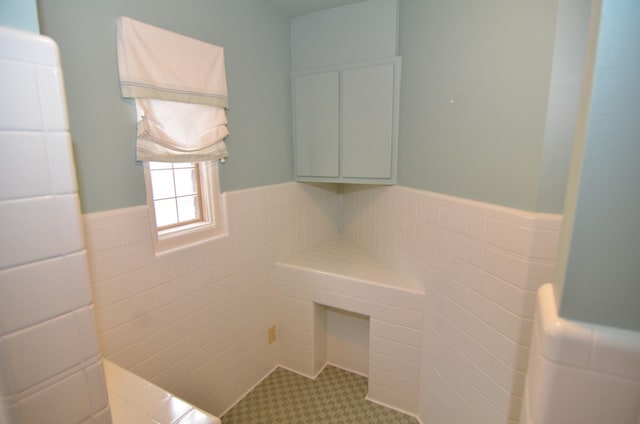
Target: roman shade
x=180, y=89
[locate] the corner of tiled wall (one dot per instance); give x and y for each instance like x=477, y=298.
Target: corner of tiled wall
x=194, y=321
x=480, y=265
x=580, y=372
x=51, y=368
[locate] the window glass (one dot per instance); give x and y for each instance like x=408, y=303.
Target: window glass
x=162, y=183
x=187, y=208
x=176, y=194
x=185, y=180
x=166, y=212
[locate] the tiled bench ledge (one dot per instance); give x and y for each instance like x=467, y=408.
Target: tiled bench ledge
x=341, y=258
x=135, y=400
x=337, y=274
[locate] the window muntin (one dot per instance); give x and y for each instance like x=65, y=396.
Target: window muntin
x=176, y=192
x=190, y=207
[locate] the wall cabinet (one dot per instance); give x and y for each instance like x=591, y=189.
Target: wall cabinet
x=346, y=123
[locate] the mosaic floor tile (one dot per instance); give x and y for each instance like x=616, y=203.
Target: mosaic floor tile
x=335, y=397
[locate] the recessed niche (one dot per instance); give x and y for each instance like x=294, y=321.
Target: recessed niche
x=341, y=339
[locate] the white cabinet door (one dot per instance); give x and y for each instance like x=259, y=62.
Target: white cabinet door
x=346, y=123
x=317, y=127
x=367, y=121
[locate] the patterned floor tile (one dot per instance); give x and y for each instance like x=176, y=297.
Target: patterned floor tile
x=335, y=397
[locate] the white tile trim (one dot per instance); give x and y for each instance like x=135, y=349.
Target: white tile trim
x=574, y=363
x=584, y=345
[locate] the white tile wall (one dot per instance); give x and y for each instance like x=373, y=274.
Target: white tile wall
x=134, y=400
x=579, y=372
x=336, y=274
x=206, y=309
x=347, y=341
x=479, y=265
x=51, y=367
x=195, y=321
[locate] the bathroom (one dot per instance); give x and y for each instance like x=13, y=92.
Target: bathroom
x=492, y=97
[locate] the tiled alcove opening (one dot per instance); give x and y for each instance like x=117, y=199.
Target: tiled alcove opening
x=341, y=339
x=338, y=274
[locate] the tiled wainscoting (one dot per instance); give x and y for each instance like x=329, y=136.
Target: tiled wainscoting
x=195, y=321
x=50, y=365
x=579, y=372
x=479, y=265
x=206, y=310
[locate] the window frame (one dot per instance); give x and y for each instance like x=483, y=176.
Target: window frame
x=213, y=223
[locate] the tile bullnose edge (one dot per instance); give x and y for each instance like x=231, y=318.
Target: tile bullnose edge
x=561, y=341
x=509, y=214
x=29, y=47
x=548, y=221
x=616, y=351
x=603, y=349
x=115, y=216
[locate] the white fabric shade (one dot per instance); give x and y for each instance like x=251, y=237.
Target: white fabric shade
x=198, y=128
x=180, y=88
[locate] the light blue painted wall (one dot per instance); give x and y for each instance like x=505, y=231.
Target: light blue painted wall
x=256, y=39
x=20, y=14
x=568, y=68
x=359, y=32
x=599, y=271
x=475, y=83
x=492, y=58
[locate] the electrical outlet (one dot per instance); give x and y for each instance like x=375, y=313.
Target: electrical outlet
x=271, y=334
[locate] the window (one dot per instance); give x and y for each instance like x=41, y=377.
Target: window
x=185, y=206
x=176, y=191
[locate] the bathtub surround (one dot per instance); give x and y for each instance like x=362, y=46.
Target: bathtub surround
x=51, y=369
